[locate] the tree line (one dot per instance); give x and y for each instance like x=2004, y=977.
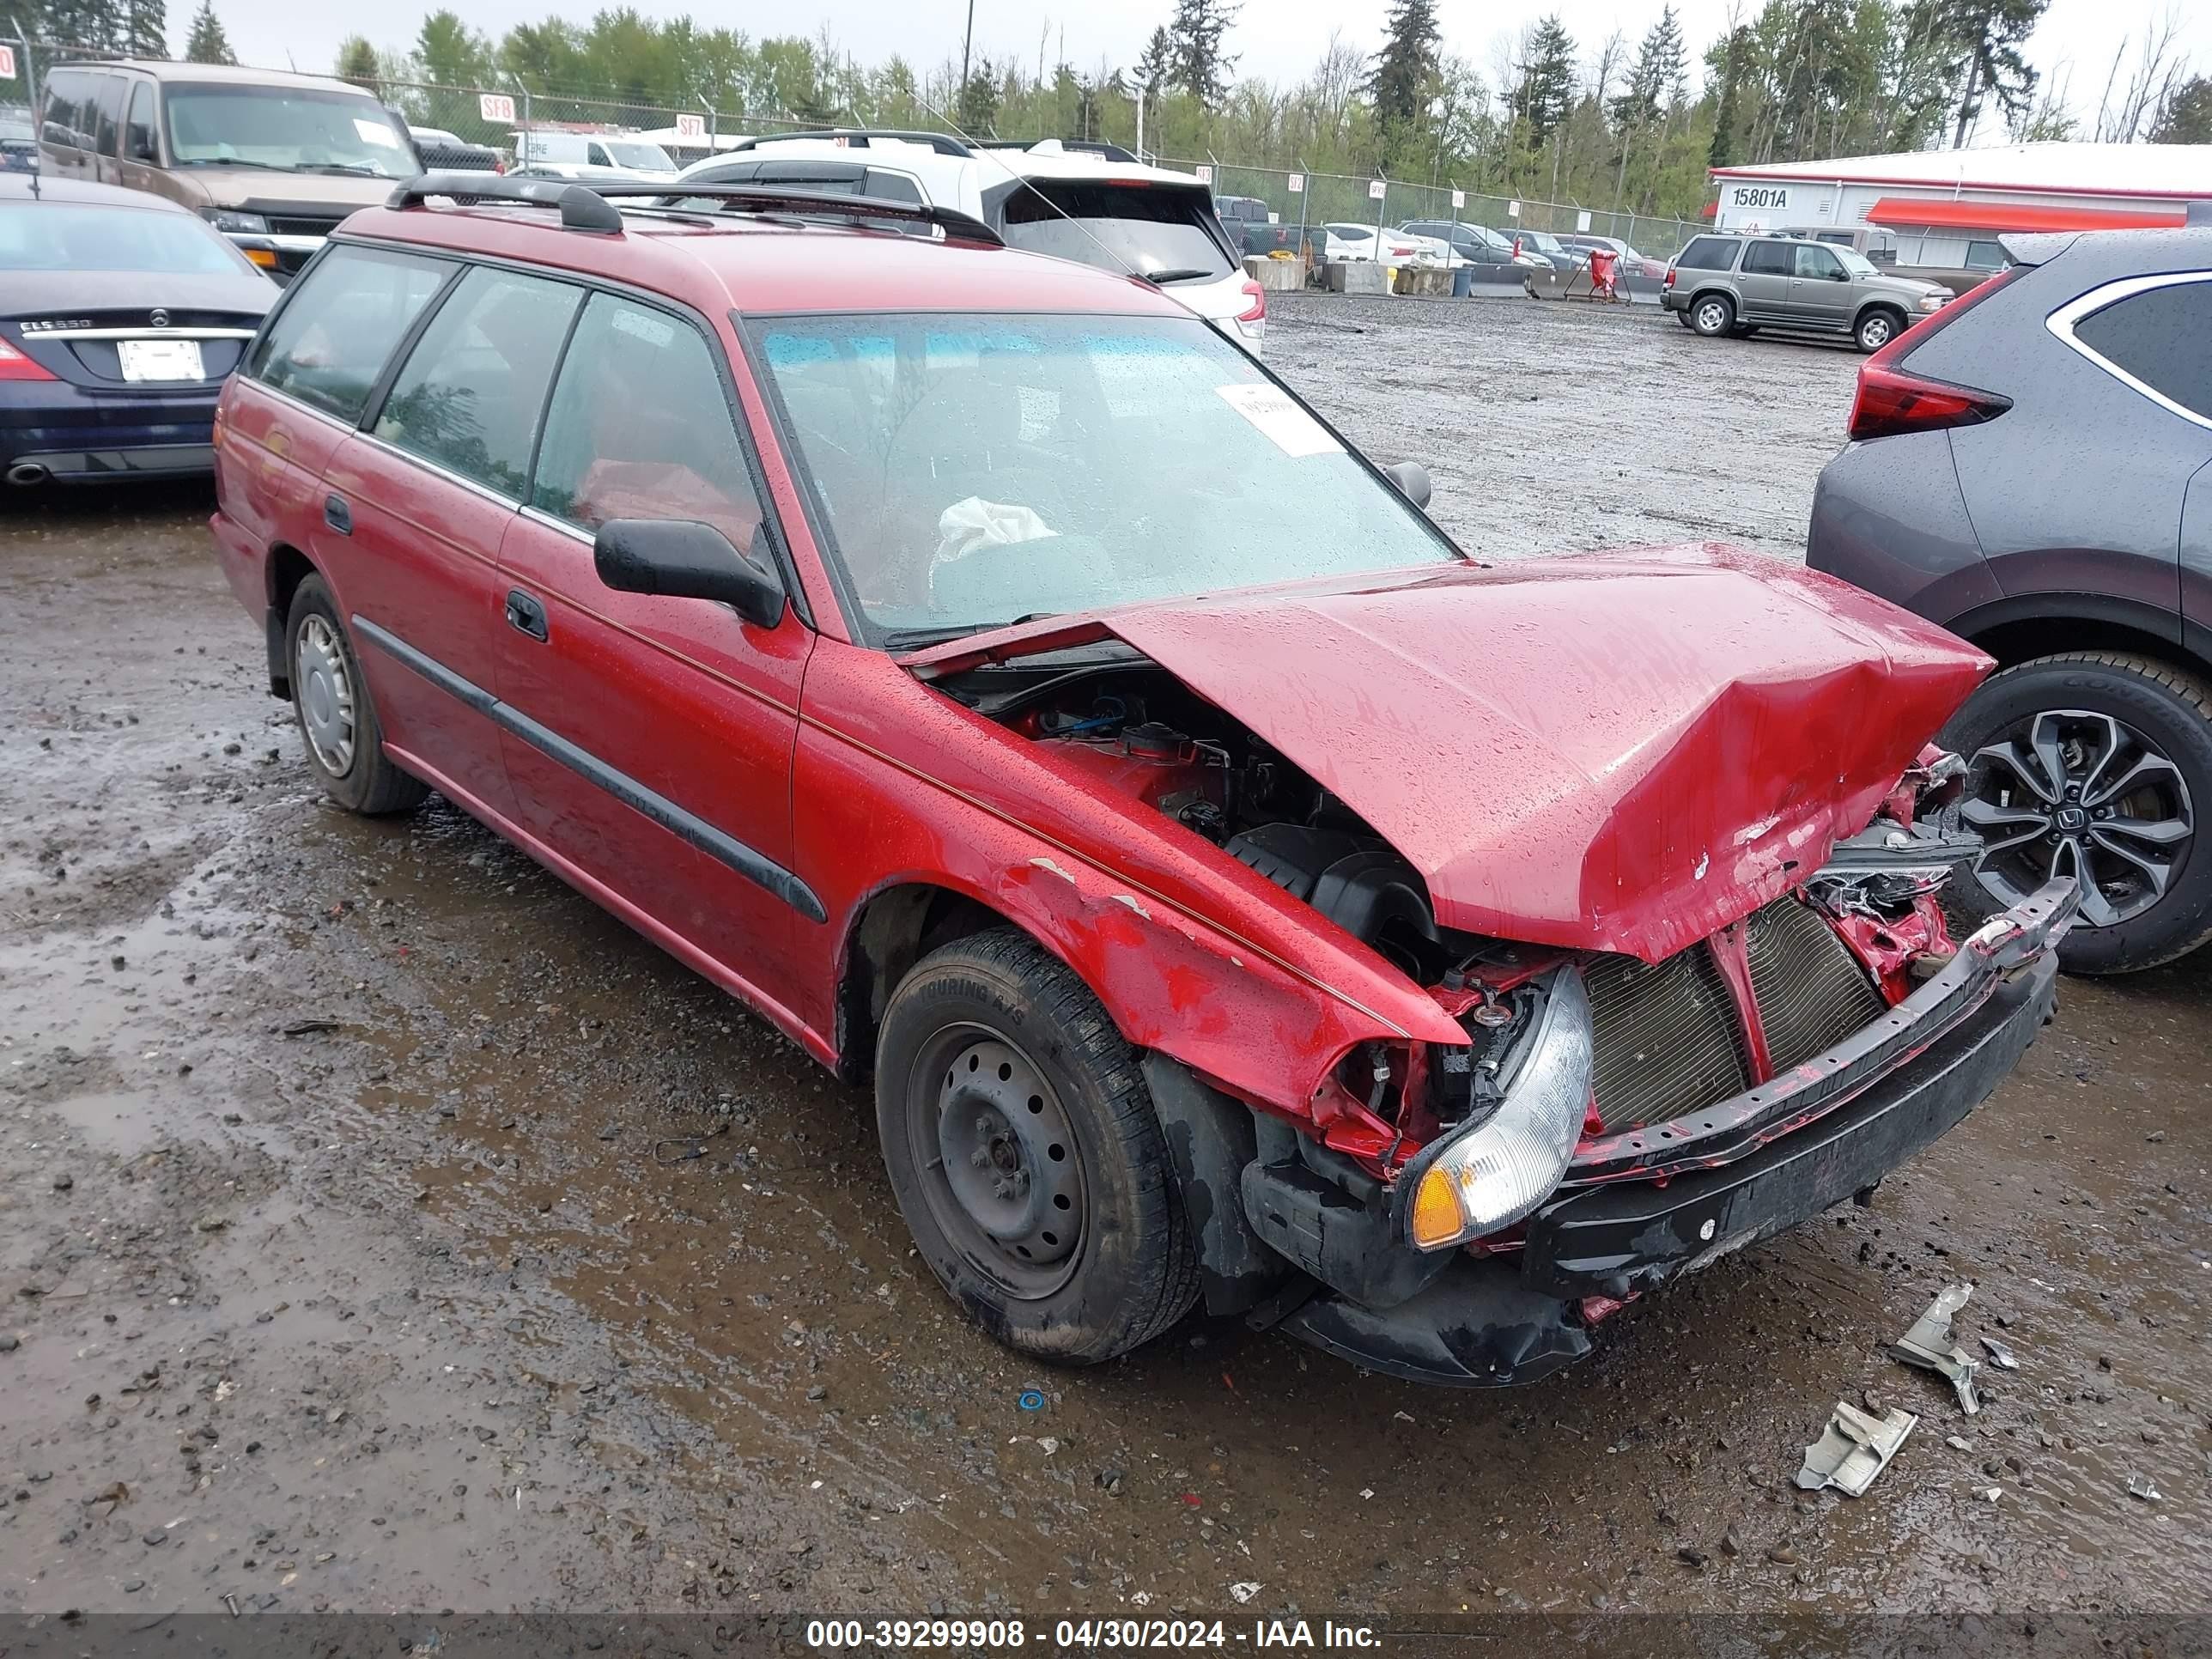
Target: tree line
x=1609, y=123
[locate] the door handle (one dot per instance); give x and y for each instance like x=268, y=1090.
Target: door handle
x=338, y=515
x=526, y=615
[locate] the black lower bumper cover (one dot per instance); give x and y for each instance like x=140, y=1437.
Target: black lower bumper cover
x=1499, y=1320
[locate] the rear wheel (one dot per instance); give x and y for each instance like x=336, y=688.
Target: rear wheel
x=1025, y=1154
x=2096, y=765
x=336, y=716
x=1711, y=315
x=1877, y=328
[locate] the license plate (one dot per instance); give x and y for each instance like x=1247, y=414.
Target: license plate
x=161, y=359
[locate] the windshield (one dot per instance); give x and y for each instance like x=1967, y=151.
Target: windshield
x=1855, y=262
x=1540, y=240
x=971, y=471
x=645, y=158
x=291, y=128
x=1155, y=230
x=72, y=236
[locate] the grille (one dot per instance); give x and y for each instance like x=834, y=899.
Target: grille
x=301, y=224
x=1812, y=991
x=1665, y=1037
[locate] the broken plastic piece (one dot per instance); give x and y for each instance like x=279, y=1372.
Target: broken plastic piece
x=2000, y=1356
x=1929, y=1346
x=1853, y=1448
x=2139, y=1485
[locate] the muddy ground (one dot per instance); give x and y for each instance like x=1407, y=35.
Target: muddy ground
x=351, y=1255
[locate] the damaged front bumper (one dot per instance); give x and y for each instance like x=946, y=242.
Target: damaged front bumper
x=1745, y=1170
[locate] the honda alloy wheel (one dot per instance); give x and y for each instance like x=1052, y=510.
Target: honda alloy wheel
x=2098, y=766
x=2070, y=792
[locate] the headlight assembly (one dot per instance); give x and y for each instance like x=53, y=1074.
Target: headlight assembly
x=1491, y=1174
x=232, y=222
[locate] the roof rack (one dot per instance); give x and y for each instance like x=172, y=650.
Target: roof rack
x=592, y=207
x=1099, y=147
x=943, y=143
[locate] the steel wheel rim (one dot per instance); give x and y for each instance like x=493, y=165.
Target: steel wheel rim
x=325, y=696
x=1712, y=316
x=2072, y=792
x=984, y=1122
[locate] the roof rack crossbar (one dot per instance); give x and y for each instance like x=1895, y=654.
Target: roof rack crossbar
x=592, y=207
x=943, y=143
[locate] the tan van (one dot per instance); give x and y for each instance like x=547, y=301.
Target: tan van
x=274, y=162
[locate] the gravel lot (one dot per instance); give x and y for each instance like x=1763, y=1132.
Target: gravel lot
x=352, y=1254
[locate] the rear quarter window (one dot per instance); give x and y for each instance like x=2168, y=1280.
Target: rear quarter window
x=2162, y=336
x=1145, y=229
x=1707, y=253
x=329, y=344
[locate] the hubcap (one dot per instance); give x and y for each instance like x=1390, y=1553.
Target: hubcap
x=998, y=1161
x=326, y=695
x=2069, y=792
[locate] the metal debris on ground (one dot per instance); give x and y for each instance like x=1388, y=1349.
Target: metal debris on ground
x=2000, y=1356
x=2139, y=1485
x=310, y=1027
x=1853, y=1448
x=1243, y=1592
x=1929, y=1346
x=687, y=1146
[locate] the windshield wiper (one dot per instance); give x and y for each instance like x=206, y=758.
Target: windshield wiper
x=1157, y=278
x=343, y=166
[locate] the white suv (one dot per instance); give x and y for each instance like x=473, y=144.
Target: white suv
x=587, y=155
x=1099, y=206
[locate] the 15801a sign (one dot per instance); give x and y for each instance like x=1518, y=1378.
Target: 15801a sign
x=1775, y=197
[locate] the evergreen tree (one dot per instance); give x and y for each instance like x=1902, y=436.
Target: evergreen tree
x=452, y=54
x=1546, y=91
x=1991, y=32
x=1199, y=67
x=358, y=61
x=145, y=28
x=207, y=43
x=1728, y=66
x=1656, y=78
x=978, y=109
x=1155, y=63
x=1407, y=66
x=2186, y=117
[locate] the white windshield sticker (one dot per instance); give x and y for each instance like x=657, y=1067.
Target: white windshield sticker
x=1286, y=426
x=375, y=132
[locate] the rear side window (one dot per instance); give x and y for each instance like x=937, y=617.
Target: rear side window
x=332, y=340
x=2163, y=337
x=639, y=428
x=1767, y=259
x=68, y=93
x=1153, y=230
x=1707, y=253
x=470, y=394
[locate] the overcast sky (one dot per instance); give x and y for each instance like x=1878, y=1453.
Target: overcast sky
x=1278, y=39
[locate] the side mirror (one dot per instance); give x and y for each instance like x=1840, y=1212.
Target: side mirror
x=1412, y=479
x=680, y=558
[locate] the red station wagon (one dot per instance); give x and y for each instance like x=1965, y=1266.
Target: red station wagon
x=1424, y=955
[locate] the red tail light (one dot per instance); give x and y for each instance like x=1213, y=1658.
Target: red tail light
x=1891, y=399
x=1257, y=311
x=1670, y=276
x=15, y=366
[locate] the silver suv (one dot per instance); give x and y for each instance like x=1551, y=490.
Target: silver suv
x=1722, y=284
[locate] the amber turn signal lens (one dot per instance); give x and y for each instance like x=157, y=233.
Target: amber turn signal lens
x=263, y=256
x=1436, y=1218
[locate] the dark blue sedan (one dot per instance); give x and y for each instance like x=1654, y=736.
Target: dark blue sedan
x=120, y=313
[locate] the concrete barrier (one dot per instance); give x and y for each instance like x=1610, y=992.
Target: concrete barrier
x=1431, y=282
x=1355, y=276
x=1275, y=275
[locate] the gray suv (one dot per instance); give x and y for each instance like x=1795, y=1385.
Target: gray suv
x=1727, y=284
x=2032, y=469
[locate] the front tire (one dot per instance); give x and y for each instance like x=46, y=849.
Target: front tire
x=337, y=717
x=1711, y=315
x=1877, y=328
x=1025, y=1154
x=2097, y=765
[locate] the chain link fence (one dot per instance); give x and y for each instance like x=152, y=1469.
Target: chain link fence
x=504, y=118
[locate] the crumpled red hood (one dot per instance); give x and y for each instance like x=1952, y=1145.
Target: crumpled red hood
x=1622, y=752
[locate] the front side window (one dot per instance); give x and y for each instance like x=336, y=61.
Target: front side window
x=81, y=236
x=285, y=129
x=1157, y=231
x=330, y=342
x=974, y=470
x=2161, y=336
x=138, y=131
x=639, y=428
x=1818, y=264
x=470, y=393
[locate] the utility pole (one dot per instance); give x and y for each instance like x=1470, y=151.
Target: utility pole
x=967, y=41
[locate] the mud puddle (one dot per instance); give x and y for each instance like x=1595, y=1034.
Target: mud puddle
x=399, y=1231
